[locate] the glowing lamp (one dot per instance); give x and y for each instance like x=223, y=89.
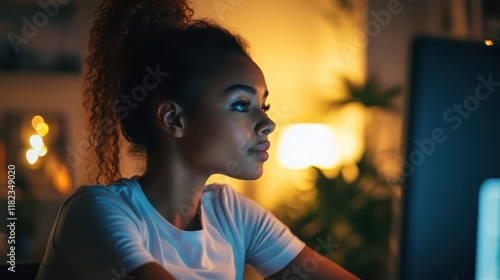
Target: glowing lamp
x=308, y=144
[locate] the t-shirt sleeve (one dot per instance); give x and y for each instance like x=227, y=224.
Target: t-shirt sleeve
x=98, y=237
x=270, y=245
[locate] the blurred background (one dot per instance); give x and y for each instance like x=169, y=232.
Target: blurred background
x=337, y=72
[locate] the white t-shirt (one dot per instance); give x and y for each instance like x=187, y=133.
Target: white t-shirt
x=104, y=232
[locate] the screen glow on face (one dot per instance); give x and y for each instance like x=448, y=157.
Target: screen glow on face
x=488, y=231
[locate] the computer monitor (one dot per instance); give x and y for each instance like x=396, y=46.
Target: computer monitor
x=452, y=147
x=488, y=231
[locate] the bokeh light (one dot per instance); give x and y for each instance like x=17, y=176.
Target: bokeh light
x=36, y=142
x=31, y=156
x=61, y=178
x=42, y=129
x=42, y=151
x=38, y=147
x=36, y=120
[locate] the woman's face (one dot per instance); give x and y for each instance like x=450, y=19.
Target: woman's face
x=228, y=132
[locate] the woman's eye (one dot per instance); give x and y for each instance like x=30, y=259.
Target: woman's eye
x=242, y=106
x=266, y=108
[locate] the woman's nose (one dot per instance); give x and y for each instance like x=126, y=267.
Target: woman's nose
x=265, y=127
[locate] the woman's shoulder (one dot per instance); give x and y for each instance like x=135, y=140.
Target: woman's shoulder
x=113, y=195
x=100, y=190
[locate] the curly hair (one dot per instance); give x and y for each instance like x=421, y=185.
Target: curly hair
x=127, y=37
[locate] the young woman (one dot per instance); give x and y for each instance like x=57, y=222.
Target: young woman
x=186, y=96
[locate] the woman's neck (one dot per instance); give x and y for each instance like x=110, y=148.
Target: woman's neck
x=174, y=190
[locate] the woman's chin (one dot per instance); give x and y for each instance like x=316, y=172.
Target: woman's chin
x=248, y=174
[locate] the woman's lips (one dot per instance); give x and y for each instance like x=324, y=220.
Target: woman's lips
x=260, y=150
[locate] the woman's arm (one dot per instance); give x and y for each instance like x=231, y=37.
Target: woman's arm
x=151, y=270
x=308, y=264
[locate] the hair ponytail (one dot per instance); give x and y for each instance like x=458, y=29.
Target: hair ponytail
x=117, y=23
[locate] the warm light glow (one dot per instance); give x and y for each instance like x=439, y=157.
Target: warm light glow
x=36, y=120
x=36, y=142
x=31, y=156
x=42, y=129
x=305, y=145
x=42, y=151
x=488, y=42
x=350, y=173
x=61, y=178
x=348, y=123
x=350, y=146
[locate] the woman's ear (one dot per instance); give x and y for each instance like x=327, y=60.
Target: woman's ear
x=171, y=118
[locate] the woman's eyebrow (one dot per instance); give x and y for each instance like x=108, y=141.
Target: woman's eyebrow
x=245, y=88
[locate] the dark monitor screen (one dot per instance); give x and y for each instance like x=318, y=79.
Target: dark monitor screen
x=452, y=147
